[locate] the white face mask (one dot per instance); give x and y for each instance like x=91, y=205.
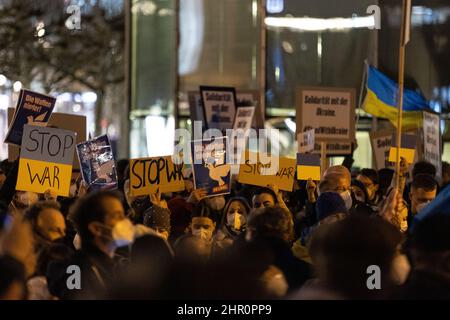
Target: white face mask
x=77, y=241
x=123, y=233
x=235, y=220
x=347, y=197
x=202, y=233
x=217, y=203
x=421, y=206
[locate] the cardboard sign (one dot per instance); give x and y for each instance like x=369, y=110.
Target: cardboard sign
x=32, y=108
x=253, y=171
x=219, y=104
x=97, y=163
x=336, y=148
x=148, y=175
x=308, y=166
x=305, y=141
x=407, y=148
x=432, y=141
x=329, y=111
x=381, y=146
x=66, y=121
x=46, y=160
x=244, y=118
x=209, y=166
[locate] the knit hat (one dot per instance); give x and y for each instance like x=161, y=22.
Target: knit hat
x=157, y=218
x=329, y=203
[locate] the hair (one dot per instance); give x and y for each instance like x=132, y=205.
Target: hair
x=431, y=234
x=11, y=271
x=55, y=252
x=343, y=250
x=372, y=174
x=424, y=167
x=35, y=210
x=89, y=209
x=261, y=190
x=385, y=178
x=202, y=210
x=271, y=222
x=424, y=181
x=445, y=167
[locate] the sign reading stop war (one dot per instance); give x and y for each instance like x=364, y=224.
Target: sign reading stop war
x=254, y=171
x=147, y=175
x=46, y=160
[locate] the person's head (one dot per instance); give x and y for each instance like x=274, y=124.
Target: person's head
x=424, y=167
x=270, y=222
x=344, y=251
x=47, y=221
x=429, y=244
x=423, y=191
x=359, y=191
x=99, y=219
x=158, y=219
x=235, y=213
x=445, y=173
x=385, y=178
x=12, y=279
x=330, y=208
x=190, y=248
x=338, y=179
x=369, y=177
x=216, y=203
x=202, y=225
x=24, y=199
x=263, y=197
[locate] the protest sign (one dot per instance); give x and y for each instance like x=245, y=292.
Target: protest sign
x=32, y=108
x=46, y=160
x=219, y=105
x=308, y=166
x=71, y=122
x=305, y=141
x=253, y=171
x=244, y=118
x=209, y=166
x=334, y=148
x=432, y=140
x=196, y=107
x=407, y=148
x=329, y=111
x=381, y=146
x=97, y=163
x=150, y=175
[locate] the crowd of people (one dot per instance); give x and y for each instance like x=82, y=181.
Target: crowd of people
x=352, y=235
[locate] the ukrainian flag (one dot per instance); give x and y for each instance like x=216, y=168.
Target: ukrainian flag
x=381, y=101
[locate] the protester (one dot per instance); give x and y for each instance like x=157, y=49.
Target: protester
x=272, y=227
x=100, y=221
x=343, y=251
x=359, y=191
x=385, y=176
x=12, y=279
x=330, y=208
x=429, y=250
x=369, y=177
x=158, y=219
x=423, y=191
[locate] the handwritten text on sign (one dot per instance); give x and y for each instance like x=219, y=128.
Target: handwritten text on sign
x=149, y=174
x=252, y=172
x=46, y=160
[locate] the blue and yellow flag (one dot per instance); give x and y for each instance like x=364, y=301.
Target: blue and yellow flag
x=381, y=101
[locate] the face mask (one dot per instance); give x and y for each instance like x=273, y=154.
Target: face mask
x=420, y=206
x=202, y=233
x=235, y=220
x=216, y=203
x=77, y=242
x=347, y=197
x=73, y=190
x=123, y=233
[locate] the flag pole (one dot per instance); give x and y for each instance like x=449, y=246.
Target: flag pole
x=404, y=38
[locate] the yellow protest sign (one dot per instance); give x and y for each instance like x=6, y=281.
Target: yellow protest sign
x=149, y=174
x=253, y=171
x=46, y=160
